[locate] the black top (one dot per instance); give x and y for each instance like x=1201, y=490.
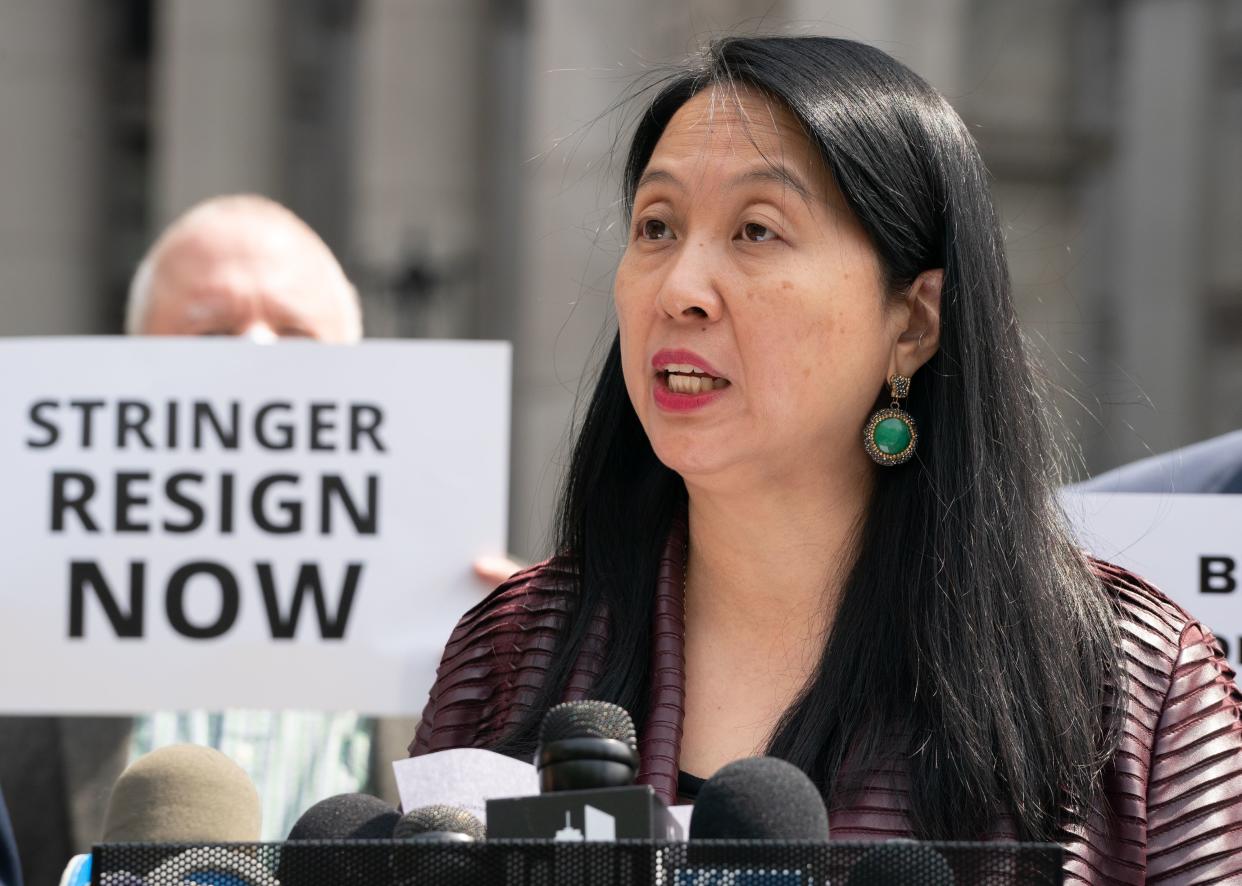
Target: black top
x=688, y=786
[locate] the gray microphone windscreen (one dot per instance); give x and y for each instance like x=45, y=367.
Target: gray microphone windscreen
x=183, y=794
x=438, y=819
x=343, y=817
x=760, y=798
x=346, y=816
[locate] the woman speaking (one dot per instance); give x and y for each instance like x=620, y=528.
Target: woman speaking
x=810, y=511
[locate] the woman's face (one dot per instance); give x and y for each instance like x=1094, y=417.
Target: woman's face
x=755, y=331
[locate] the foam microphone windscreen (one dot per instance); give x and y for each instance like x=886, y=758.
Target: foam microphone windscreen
x=439, y=819
x=183, y=794
x=343, y=817
x=346, y=816
x=760, y=798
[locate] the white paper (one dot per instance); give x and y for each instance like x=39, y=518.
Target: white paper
x=463, y=777
x=438, y=502
x=681, y=814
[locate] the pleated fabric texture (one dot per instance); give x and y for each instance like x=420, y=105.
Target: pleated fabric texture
x=1173, y=806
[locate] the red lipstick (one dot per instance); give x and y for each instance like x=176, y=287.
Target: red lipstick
x=675, y=368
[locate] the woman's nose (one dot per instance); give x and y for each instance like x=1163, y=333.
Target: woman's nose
x=690, y=291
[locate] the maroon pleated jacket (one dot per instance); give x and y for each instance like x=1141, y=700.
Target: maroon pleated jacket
x=1175, y=783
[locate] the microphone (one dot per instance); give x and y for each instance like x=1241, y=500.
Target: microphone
x=587, y=759
x=901, y=862
x=439, y=824
x=342, y=817
x=585, y=745
x=759, y=798
x=431, y=850
x=183, y=794
x=346, y=816
x=78, y=873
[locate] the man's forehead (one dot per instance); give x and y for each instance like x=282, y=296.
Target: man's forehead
x=222, y=239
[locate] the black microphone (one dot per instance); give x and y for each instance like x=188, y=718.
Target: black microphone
x=901, y=862
x=433, y=850
x=587, y=759
x=585, y=745
x=343, y=817
x=439, y=824
x=346, y=816
x=759, y=798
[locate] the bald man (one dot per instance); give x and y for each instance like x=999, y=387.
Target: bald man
x=242, y=266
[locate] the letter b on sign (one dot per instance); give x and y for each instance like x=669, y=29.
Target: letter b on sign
x=1216, y=575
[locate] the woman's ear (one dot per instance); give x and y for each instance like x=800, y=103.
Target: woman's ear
x=921, y=338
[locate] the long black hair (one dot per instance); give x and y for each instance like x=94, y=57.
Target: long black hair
x=971, y=641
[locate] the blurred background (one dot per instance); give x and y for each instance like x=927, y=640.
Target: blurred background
x=458, y=157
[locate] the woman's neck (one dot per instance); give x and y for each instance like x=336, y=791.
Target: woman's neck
x=762, y=583
x=768, y=556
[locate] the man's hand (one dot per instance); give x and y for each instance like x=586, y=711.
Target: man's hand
x=495, y=570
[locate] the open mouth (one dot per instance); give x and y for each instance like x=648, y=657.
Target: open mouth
x=687, y=380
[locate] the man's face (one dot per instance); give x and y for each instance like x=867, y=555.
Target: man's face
x=256, y=276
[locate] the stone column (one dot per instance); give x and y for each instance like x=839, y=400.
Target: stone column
x=1160, y=226
x=219, y=102
x=416, y=164
x=53, y=146
x=927, y=35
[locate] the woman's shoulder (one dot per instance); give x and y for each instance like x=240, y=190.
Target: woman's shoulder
x=495, y=657
x=515, y=621
x=1141, y=607
x=1179, y=764
x=526, y=597
x=1175, y=666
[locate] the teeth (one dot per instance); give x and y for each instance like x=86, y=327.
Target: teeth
x=685, y=378
x=683, y=384
x=693, y=384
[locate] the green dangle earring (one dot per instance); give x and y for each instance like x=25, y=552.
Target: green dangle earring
x=890, y=435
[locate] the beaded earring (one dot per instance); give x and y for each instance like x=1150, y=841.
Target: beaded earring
x=890, y=435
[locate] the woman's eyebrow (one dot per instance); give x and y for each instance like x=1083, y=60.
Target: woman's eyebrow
x=777, y=173
x=771, y=172
x=651, y=176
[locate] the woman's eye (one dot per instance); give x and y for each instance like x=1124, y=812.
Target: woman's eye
x=654, y=229
x=757, y=233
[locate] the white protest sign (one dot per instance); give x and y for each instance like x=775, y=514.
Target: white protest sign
x=194, y=523
x=1188, y=546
